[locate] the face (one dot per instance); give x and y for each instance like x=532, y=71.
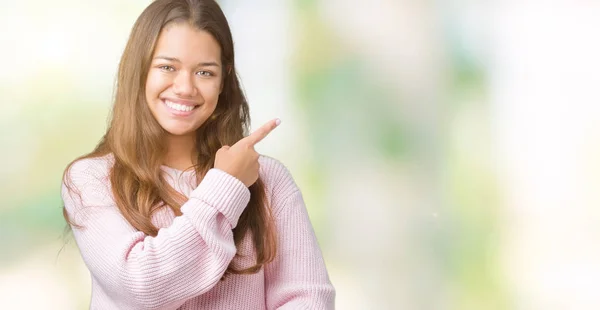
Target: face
x=184, y=79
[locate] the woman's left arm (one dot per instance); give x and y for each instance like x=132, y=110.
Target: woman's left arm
x=297, y=278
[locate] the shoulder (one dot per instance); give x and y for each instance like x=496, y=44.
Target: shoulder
x=86, y=183
x=89, y=168
x=88, y=174
x=278, y=180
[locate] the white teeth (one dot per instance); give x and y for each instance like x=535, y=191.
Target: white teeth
x=178, y=107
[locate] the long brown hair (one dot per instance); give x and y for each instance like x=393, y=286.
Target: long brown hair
x=135, y=138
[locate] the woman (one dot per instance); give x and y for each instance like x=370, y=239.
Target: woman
x=174, y=209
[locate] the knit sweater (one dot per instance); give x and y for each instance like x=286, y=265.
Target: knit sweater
x=182, y=266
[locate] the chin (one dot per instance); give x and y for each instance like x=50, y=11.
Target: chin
x=180, y=131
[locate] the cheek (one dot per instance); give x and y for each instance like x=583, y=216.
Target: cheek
x=155, y=83
x=210, y=90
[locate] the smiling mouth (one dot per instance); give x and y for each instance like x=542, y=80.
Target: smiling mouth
x=180, y=107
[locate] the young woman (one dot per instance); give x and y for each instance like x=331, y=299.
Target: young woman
x=174, y=209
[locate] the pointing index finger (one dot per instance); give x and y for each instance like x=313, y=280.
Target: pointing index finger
x=262, y=132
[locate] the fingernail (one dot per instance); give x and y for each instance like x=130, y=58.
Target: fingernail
x=277, y=122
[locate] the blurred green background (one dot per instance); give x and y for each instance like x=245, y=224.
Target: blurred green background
x=448, y=151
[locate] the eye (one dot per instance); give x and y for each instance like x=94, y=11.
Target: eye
x=204, y=73
x=166, y=68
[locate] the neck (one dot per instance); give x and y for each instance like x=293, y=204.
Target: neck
x=181, y=152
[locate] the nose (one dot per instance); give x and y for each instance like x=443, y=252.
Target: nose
x=184, y=86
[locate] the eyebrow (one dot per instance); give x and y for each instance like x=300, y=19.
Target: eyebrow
x=202, y=64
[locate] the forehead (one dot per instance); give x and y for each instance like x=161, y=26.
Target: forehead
x=188, y=44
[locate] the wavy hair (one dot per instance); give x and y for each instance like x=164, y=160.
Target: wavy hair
x=135, y=138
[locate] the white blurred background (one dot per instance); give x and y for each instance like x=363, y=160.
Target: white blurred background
x=448, y=151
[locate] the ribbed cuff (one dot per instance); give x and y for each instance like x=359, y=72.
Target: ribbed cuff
x=224, y=192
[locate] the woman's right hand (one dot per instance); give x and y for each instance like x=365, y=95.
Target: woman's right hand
x=241, y=160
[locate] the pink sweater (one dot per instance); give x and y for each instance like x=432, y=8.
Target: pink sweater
x=182, y=266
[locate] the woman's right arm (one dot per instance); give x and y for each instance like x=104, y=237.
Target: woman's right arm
x=184, y=260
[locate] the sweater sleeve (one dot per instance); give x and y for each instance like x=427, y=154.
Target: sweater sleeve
x=139, y=271
x=297, y=278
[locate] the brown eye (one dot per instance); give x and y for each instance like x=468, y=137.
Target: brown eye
x=204, y=73
x=166, y=68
